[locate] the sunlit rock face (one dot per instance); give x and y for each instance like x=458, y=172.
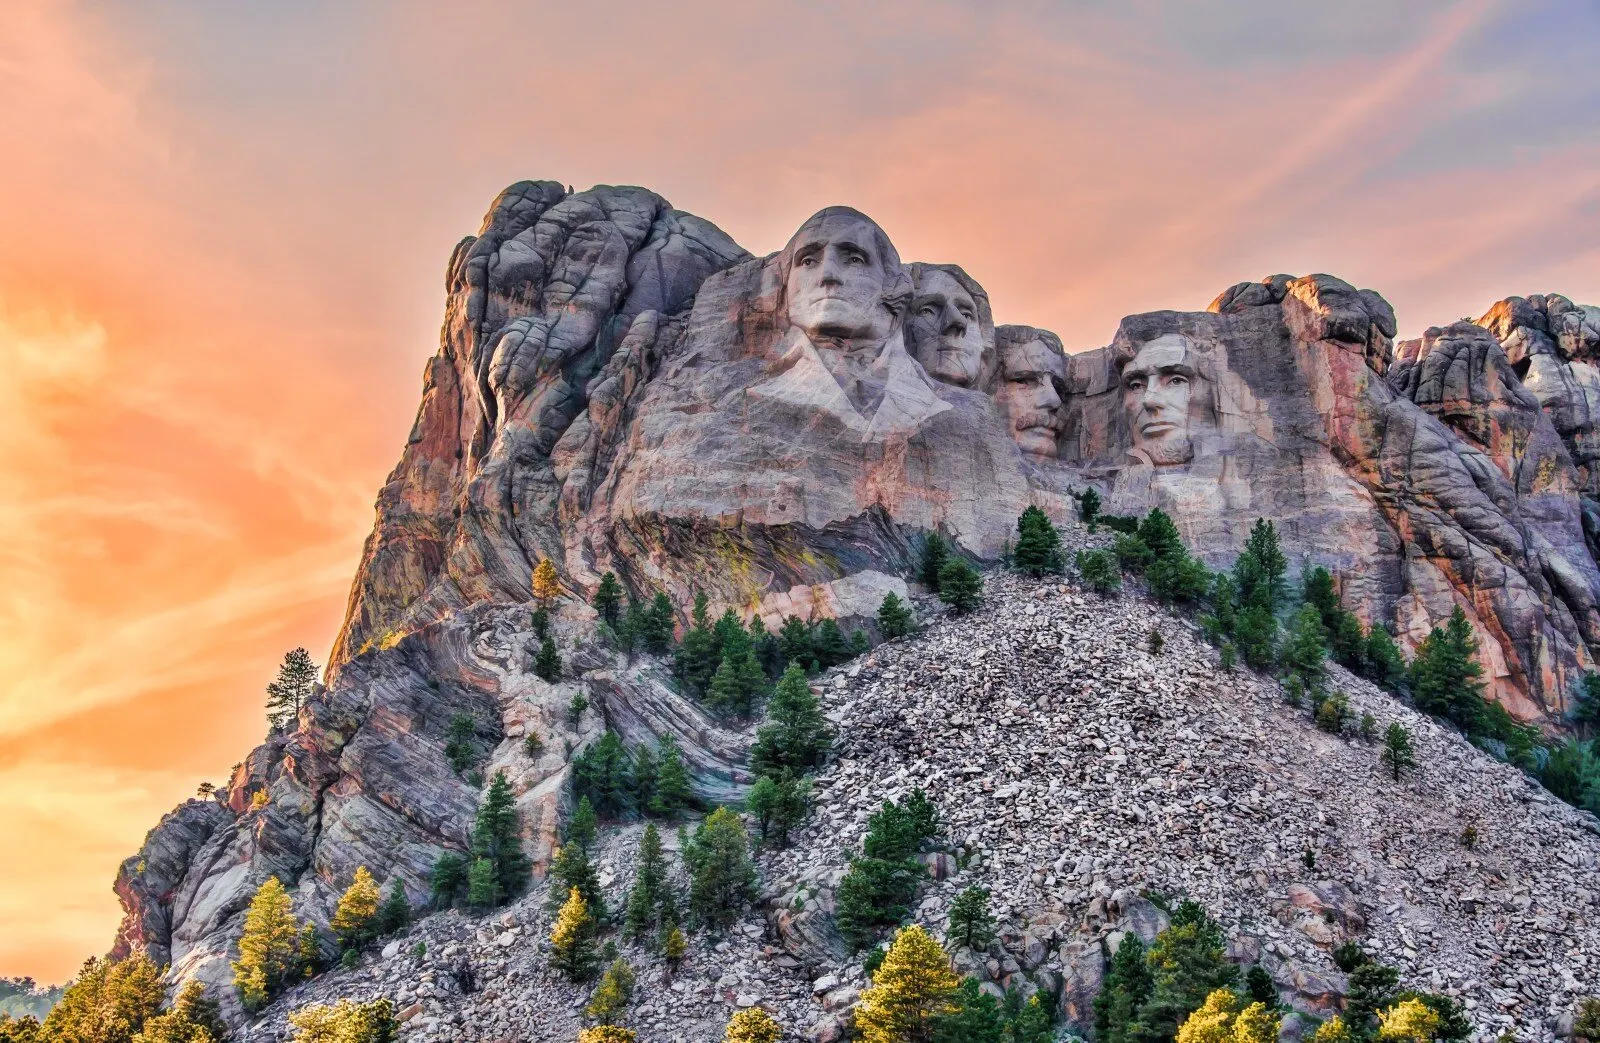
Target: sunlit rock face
x=620, y=387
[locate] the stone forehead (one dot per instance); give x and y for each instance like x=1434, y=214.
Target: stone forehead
x=833, y=221
x=1032, y=356
x=937, y=280
x=1170, y=349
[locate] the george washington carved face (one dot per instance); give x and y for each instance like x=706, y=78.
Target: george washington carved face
x=1159, y=387
x=841, y=272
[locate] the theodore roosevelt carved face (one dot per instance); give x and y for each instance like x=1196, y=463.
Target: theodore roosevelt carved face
x=1032, y=370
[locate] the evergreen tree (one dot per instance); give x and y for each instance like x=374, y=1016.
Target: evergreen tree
x=650, y=878
x=346, y=1022
x=1160, y=534
x=548, y=662
x=673, y=793
x=572, y=950
x=829, y=645
x=607, y=1034
x=796, y=734
x=1444, y=674
x=860, y=643
x=458, y=746
x=1026, y=1021
x=934, y=556
x=1187, y=963
x=1179, y=578
x=546, y=584
x=354, y=920
x=1261, y=568
x=725, y=695
x=960, y=586
x=1089, y=506
x=1123, y=993
x=1133, y=554
x=1305, y=648
x=603, y=773
x=767, y=647
x=288, y=692
x=395, y=912
x=752, y=1025
x=894, y=617
x=270, y=957
x=539, y=622
x=1373, y=986
x=636, y=626
x=646, y=772
x=911, y=993
x=497, y=837
x=975, y=1019
x=1347, y=640
x=722, y=880
x=1038, y=549
x=611, y=998
x=778, y=804
x=192, y=1019
x=608, y=599
x=660, y=626
x=1385, y=664
x=761, y=803
x=448, y=881
x=971, y=923
x=108, y=1002
x=794, y=639
x=1099, y=570
x=696, y=658
x=1256, y=636
x=483, y=886
x=753, y=685
x=1260, y=987
x=732, y=640
x=584, y=825
x=1585, y=711
x=571, y=870
x=1398, y=754
x=673, y=945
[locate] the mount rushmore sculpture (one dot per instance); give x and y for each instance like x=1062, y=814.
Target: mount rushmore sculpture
x=620, y=387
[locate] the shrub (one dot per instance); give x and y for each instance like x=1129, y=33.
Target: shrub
x=971, y=923
x=1156, y=642
x=753, y=1025
x=1332, y=713
x=1099, y=570
x=894, y=617
x=960, y=586
x=346, y=1022
x=1398, y=754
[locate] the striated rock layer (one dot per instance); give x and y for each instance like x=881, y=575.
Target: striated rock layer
x=620, y=387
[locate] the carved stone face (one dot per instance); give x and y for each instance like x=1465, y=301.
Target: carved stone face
x=944, y=329
x=1157, y=386
x=1028, y=395
x=837, y=276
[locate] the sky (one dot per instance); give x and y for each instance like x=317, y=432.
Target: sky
x=224, y=226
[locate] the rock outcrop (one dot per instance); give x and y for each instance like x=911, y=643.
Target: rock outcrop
x=620, y=387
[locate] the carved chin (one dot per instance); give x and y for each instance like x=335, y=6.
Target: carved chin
x=1165, y=452
x=1037, y=441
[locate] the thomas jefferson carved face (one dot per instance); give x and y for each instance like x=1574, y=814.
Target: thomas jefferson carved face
x=840, y=265
x=1028, y=395
x=1157, y=387
x=944, y=329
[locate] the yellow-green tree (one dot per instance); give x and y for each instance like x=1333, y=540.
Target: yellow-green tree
x=1225, y=1018
x=546, y=584
x=753, y=1025
x=674, y=946
x=108, y=1002
x=1409, y=1021
x=607, y=1034
x=910, y=992
x=572, y=939
x=192, y=1019
x=270, y=950
x=358, y=907
x=611, y=998
x=1334, y=1030
x=346, y=1022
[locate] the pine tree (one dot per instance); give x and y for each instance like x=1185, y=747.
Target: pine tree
x=497, y=837
x=1125, y=990
x=1261, y=568
x=546, y=584
x=395, y=912
x=1038, y=549
x=767, y=647
x=1026, y=1021
x=607, y=1034
x=1445, y=676
x=1160, y=534
x=753, y=686
x=602, y=772
x=289, y=691
x=673, y=945
x=635, y=628
x=731, y=638
x=611, y=998
x=1187, y=963
x=354, y=920
x=752, y=1025
x=797, y=734
x=934, y=556
x=725, y=695
x=269, y=950
x=483, y=886
x=971, y=923
x=584, y=824
x=192, y=1019
x=722, y=880
x=1089, y=506
x=1260, y=986
x=673, y=793
x=448, y=881
x=108, y=1002
x=458, y=747
x=608, y=599
x=539, y=622
x=570, y=869
x=696, y=659
x=960, y=586
x=1316, y=588
x=1099, y=570
x=645, y=774
x=1305, y=648
x=1398, y=754
x=650, y=876
x=547, y=664
x=761, y=803
x=572, y=950
x=660, y=628
x=894, y=617
x=829, y=645
x=1385, y=664
x=1256, y=636
x=975, y=1019
x=912, y=991
x=346, y=1022
x=794, y=639
x=1585, y=710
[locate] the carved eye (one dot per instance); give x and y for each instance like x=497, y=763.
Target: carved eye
x=1177, y=380
x=855, y=257
x=966, y=313
x=1136, y=384
x=928, y=311
x=808, y=261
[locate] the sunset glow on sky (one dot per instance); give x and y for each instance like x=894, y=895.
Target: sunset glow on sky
x=223, y=231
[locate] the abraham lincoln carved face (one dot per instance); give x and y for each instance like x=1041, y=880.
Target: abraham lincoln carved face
x=1159, y=392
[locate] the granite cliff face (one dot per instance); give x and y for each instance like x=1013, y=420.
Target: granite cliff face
x=621, y=387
